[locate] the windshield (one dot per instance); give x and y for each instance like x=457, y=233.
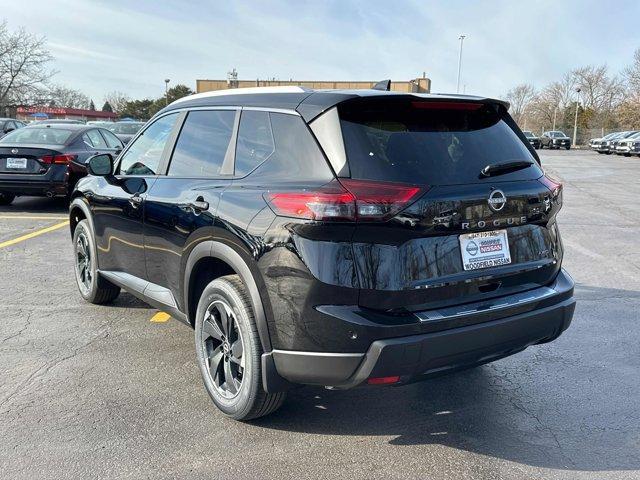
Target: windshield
x=528, y=134
x=38, y=135
x=428, y=143
x=126, y=128
x=556, y=134
x=629, y=134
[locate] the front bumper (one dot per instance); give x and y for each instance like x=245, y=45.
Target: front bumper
x=485, y=331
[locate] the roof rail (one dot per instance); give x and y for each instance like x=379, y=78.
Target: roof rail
x=244, y=91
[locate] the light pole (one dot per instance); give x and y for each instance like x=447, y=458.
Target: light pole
x=461, y=38
x=166, y=91
x=575, y=121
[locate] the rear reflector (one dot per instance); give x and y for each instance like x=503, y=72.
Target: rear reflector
x=345, y=200
x=57, y=159
x=383, y=380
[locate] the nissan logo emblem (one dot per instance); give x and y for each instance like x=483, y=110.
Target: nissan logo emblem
x=14, y=150
x=497, y=200
x=472, y=248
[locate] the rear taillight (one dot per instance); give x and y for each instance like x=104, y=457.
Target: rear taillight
x=331, y=202
x=553, y=185
x=379, y=200
x=57, y=159
x=345, y=200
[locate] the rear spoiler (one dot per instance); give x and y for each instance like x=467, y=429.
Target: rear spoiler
x=322, y=100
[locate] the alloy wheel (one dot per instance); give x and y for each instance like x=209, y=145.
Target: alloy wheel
x=223, y=348
x=83, y=262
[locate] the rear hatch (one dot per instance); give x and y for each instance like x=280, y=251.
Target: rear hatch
x=481, y=221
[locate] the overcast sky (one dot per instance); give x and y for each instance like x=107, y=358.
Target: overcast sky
x=132, y=46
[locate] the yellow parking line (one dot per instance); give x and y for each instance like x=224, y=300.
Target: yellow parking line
x=34, y=234
x=160, y=317
x=30, y=217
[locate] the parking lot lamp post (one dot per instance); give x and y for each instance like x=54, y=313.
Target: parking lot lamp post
x=461, y=38
x=575, y=121
x=166, y=91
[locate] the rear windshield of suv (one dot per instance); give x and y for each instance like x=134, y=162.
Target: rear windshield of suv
x=429, y=143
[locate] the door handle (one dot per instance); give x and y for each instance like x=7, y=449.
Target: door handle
x=135, y=201
x=199, y=205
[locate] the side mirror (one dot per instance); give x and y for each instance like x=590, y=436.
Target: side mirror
x=101, y=165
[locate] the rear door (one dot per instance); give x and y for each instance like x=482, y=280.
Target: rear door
x=181, y=206
x=469, y=235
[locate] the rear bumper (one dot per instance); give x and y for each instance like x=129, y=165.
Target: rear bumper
x=52, y=183
x=35, y=189
x=420, y=356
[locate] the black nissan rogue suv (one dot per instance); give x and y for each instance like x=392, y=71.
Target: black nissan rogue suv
x=328, y=237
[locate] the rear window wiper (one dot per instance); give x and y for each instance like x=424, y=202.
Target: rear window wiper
x=494, y=169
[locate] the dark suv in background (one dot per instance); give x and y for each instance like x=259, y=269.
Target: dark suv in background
x=555, y=139
x=335, y=238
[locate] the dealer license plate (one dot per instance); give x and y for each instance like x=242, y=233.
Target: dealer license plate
x=16, y=162
x=484, y=249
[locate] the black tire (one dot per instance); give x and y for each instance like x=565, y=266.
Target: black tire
x=92, y=287
x=567, y=148
x=241, y=395
x=6, y=198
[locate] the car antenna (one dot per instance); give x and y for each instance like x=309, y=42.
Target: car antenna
x=384, y=85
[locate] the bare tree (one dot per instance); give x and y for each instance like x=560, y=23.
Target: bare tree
x=60, y=96
x=117, y=100
x=632, y=74
x=520, y=97
x=562, y=93
x=599, y=92
x=24, y=68
x=628, y=113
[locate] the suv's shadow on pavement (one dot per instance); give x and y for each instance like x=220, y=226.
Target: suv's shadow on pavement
x=565, y=405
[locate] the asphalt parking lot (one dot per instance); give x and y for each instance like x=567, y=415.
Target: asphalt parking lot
x=104, y=392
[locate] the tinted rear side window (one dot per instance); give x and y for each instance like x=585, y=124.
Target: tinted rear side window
x=255, y=141
x=111, y=139
x=427, y=143
x=96, y=139
x=297, y=156
x=202, y=144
